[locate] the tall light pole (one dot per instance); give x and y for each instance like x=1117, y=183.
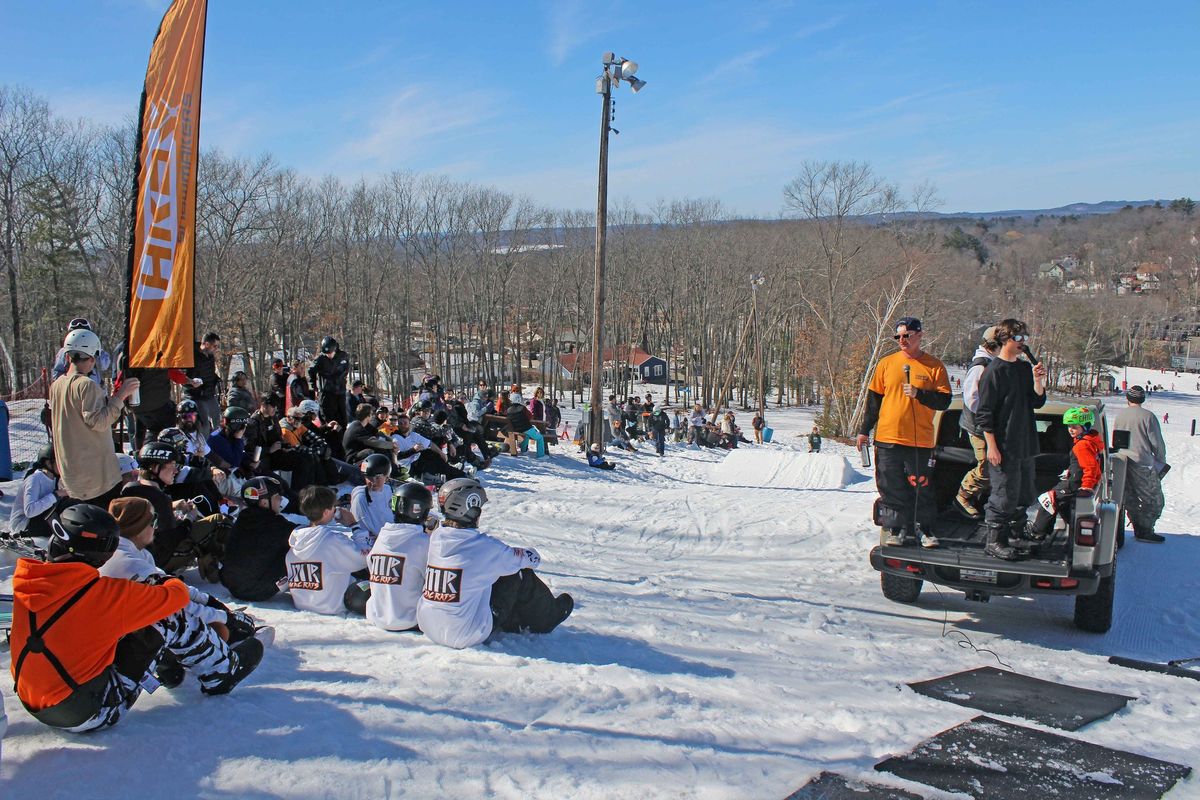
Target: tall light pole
x=615, y=70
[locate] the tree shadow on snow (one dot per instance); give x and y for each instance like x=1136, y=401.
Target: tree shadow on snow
x=199, y=735
x=572, y=646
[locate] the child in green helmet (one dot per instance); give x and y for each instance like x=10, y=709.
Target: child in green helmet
x=1083, y=474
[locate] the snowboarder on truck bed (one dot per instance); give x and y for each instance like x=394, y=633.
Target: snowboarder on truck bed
x=1083, y=474
x=907, y=388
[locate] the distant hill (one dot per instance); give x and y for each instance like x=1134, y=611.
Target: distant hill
x=1072, y=210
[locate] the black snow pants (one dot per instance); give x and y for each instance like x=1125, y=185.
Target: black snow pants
x=902, y=475
x=522, y=602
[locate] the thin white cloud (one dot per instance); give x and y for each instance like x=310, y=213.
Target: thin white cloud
x=740, y=64
x=414, y=121
x=568, y=29
x=819, y=27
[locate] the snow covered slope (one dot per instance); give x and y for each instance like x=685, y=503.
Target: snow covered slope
x=784, y=469
x=728, y=642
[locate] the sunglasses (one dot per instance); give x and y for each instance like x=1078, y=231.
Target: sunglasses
x=1019, y=337
x=908, y=335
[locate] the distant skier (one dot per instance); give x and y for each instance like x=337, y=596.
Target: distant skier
x=814, y=440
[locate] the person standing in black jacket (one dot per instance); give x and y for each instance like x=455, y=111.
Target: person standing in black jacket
x=279, y=379
x=1011, y=389
x=207, y=393
x=328, y=376
x=254, y=559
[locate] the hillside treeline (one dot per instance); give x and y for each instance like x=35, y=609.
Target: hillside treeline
x=480, y=282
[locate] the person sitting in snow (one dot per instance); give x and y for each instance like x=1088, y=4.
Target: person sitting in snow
x=256, y=554
x=84, y=645
x=475, y=584
x=396, y=564
x=327, y=555
x=37, y=497
x=598, y=461
x=371, y=504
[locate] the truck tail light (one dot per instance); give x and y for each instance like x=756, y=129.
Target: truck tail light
x=1085, y=531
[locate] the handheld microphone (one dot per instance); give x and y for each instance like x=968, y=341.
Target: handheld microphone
x=1029, y=354
x=907, y=374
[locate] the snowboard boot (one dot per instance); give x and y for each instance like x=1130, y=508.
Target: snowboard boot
x=965, y=505
x=997, y=542
x=169, y=671
x=927, y=540
x=1143, y=535
x=565, y=605
x=247, y=653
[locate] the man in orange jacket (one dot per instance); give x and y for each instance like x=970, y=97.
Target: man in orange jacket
x=84, y=646
x=907, y=388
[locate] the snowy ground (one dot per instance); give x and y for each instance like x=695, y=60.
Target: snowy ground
x=729, y=641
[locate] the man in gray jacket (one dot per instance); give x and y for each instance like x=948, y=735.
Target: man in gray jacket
x=1147, y=457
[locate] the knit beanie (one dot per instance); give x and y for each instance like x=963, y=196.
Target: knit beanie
x=1136, y=394
x=133, y=514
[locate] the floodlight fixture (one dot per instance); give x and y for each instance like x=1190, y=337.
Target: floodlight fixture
x=636, y=84
x=629, y=68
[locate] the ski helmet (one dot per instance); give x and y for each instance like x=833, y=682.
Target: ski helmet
x=77, y=323
x=595, y=447
x=45, y=455
x=329, y=344
x=263, y=487
x=188, y=407
x=235, y=418
x=159, y=452
x=175, y=438
x=375, y=465
x=411, y=503
x=310, y=407
x=462, y=500
x=1079, y=415
x=83, y=532
x=82, y=340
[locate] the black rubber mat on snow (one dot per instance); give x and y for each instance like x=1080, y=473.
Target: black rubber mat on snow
x=999, y=691
x=988, y=758
x=831, y=786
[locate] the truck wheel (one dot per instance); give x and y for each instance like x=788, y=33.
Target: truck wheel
x=899, y=589
x=1093, y=612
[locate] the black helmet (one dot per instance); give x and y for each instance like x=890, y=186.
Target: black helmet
x=189, y=407
x=375, y=465
x=83, y=532
x=159, y=452
x=462, y=500
x=237, y=376
x=235, y=418
x=174, y=437
x=329, y=344
x=263, y=487
x=411, y=503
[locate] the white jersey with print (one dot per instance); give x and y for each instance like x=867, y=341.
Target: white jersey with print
x=406, y=442
x=455, y=608
x=319, y=564
x=131, y=564
x=373, y=510
x=397, y=567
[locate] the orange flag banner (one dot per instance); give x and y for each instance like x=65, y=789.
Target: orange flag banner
x=163, y=242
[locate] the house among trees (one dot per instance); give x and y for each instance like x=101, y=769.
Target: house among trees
x=619, y=364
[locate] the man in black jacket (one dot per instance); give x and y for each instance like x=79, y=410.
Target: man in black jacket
x=207, y=392
x=255, y=554
x=362, y=438
x=1011, y=389
x=328, y=376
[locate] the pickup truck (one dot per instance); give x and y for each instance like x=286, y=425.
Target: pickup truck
x=1079, y=559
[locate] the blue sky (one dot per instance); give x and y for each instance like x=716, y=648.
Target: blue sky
x=999, y=105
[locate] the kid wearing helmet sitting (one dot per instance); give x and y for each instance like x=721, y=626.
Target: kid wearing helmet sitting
x=327, y=555
x=371, y=503
x=1083, y=474
x=40, y=492
x=397, y=560
x=598, y=461
x=474, y=584
x=255, y=558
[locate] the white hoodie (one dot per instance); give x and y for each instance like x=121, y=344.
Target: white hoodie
x=970, y=384
x=375, y=514
x=132, y=564
x=397, y=566
x=35, y=496
x=319, y=564
x=455, y=608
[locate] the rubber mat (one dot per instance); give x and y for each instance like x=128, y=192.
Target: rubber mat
x=831, y=786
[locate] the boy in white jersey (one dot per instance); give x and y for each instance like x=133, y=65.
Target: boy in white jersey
x=371, y=503
x=397, y=560
x=475, y=584
x=325, y=555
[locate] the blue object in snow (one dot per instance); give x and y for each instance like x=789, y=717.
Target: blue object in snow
x=768, y=433
x=6, y=472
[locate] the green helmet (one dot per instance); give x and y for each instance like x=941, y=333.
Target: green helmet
x=1080, y=415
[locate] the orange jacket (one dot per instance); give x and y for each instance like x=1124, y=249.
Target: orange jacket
x=1086, y=453
x=85, y=638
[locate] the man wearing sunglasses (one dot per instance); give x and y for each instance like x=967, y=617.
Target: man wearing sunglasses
x=907, y=387
x=1011, y=389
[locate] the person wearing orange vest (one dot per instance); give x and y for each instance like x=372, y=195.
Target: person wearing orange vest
x=907, y=388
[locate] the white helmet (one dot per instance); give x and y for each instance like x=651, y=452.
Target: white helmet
x=82, y=340
x=310, y=407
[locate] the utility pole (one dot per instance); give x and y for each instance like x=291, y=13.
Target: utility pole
x=596, y=424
